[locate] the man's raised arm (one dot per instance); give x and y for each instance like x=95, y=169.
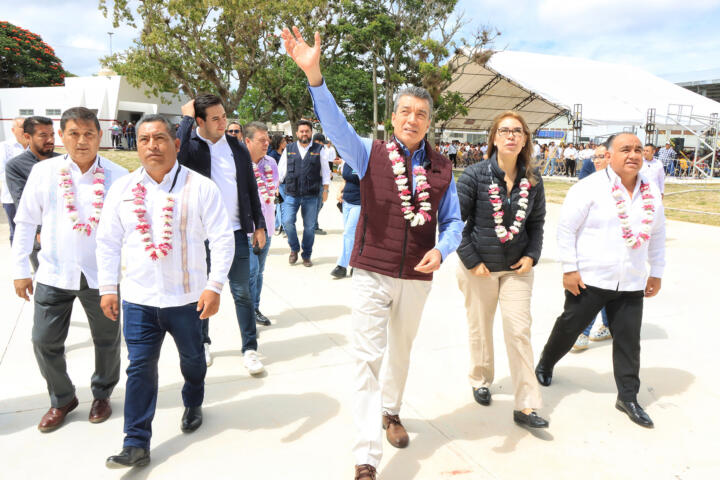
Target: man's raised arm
x=354, y=150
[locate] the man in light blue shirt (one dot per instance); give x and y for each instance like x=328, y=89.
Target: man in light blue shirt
x=408, y=195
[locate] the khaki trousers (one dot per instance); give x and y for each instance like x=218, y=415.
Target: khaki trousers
x=482, y=295
x=385, y=319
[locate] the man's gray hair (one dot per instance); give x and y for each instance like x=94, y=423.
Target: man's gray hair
x=417, y=92
x=154, y=117
x=253, y=127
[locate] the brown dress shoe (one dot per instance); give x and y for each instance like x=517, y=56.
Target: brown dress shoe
x=307, y=262
x=100, y=410
x=396, y=433
x=365, y=472
x=55, y=416
x=293, y=258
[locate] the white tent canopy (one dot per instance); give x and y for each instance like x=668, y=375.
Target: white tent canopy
x=542, y=87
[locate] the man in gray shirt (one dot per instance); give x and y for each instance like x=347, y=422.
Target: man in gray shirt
x=39, y=132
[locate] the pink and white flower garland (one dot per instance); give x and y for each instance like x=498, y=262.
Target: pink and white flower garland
x=632, y=240
x=504, y=234
x=66, y=184
x=266, y=186
x=421, y=188
x=163, y=248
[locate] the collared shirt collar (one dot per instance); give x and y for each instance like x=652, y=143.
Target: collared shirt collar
x=210, y=143
x=421, y=147
x=74, y=166
x=615, y=177
x=166, y=179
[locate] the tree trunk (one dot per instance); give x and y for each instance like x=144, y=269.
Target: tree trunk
x=431, y=132
x=375, y=99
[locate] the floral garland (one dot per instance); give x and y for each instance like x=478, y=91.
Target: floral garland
x=421, y=188
x=66, y=184
x=163, y=248
x=505, y=235
x=266, y=186
x=632, y=240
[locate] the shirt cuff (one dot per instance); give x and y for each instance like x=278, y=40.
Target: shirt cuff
x=443, y=251
x=569, y=267
x=108, y=290
x=657, y=271
x=214, y=287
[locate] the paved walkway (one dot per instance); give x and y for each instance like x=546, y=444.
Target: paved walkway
x=295, y=422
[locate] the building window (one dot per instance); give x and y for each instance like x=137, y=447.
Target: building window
x=27, y=111
x=52, y=111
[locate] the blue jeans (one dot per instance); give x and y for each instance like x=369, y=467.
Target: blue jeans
x=10, y=213
x=319, y=207
x=604, y=320
x=550, y=165
x=257, y=267
x=239, y=280
x=351, y=214
x=278, y=208
x=308, y=207
x=144, y=329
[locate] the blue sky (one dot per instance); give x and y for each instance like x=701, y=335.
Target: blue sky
x=661, y=36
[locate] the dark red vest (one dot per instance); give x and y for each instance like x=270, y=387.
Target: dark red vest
x=384, y=241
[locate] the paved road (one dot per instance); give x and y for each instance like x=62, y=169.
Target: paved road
x=296, y=421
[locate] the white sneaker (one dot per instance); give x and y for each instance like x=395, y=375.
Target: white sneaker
x=253, y=363
x=208, y=357
x=603, y=333
x=581, y=343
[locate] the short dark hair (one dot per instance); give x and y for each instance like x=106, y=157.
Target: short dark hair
x=253, y=127
x=650, y=145
x=319, y=137
x=203, y=102
x=154, y=117
x=305, y=122
x=79, y=114
x=30, y=122
x=235, y=123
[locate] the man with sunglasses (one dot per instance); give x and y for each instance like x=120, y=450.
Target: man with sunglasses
x=236, y=130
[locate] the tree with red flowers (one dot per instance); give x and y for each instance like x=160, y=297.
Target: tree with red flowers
x=27, y=61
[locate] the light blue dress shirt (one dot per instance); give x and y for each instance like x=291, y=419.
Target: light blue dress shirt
x=355, y=150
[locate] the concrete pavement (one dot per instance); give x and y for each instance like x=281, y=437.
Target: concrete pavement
x=295, y=422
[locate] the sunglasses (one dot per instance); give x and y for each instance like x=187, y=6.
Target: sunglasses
x=234, y=132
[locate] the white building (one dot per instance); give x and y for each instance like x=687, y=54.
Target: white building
x=111, y=97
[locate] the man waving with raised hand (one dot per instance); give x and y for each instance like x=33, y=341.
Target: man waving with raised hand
x=408, y=194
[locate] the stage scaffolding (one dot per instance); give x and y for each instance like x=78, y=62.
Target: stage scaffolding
x=704, y=128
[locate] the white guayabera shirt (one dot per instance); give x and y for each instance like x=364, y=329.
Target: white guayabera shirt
x=590, y=236
x=179, y=278
x=65, y=253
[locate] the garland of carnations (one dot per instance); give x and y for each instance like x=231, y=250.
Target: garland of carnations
x=632, y=240
x=266, y=186
x=163, y=248
x=66, y=184
x=505, y=234
x=421, y=188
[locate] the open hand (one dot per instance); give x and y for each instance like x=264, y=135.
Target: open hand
x=305, y=56
x=24, y=288
x=188, y=110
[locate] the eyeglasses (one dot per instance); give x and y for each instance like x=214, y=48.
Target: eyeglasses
x=234, y=132
x=505, y=132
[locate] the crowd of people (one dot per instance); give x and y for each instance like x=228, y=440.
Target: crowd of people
x=209, y=197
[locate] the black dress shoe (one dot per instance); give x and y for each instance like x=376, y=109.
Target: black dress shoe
x=261, y=319
x=191, y=419
x=533, y=420
x=482, y=395
x=129, y=457
x=635, y=412
x=543, y=375
x=339, y=272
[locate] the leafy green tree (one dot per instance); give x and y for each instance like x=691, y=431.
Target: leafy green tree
x=27, y=61
x=210, y=46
